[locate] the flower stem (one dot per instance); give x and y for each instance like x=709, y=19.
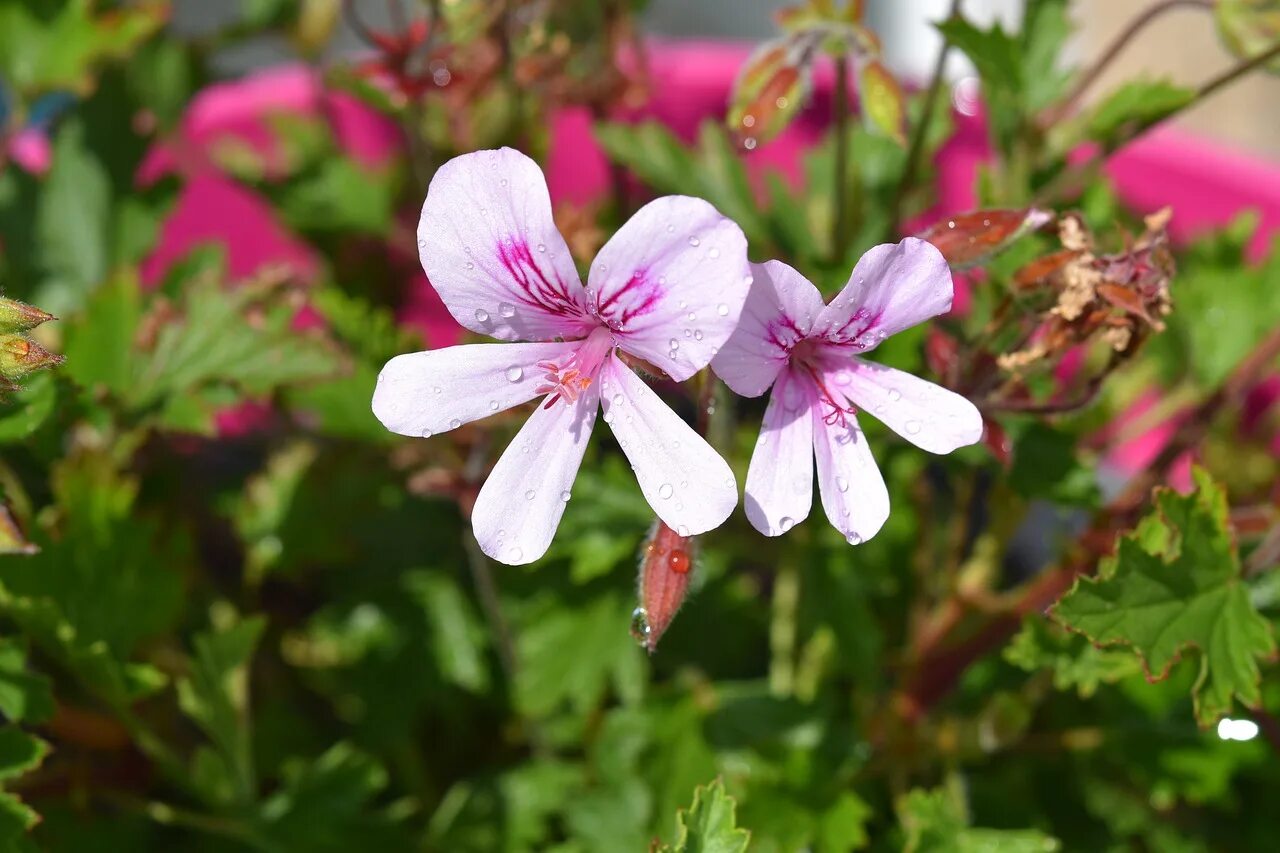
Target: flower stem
x=1055, y=114
x=915, y=147
x=782, y=629
x=840, y=110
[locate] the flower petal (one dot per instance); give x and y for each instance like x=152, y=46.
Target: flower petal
x=853, y=492
x=491, y=250
x=426, y=393
x=778, y=314
x=893, y=287
x=927, y=415
x=682, y=477
x=671, y=283
x=779, y=490
x=519, y=507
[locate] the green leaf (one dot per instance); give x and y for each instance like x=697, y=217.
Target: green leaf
x=1175, y=584
x=457, y=636
x=24, y=696
x=19, y=752
x=709, y=825
x=71, y=222
x=1136, y=104
x=1249, y=27
x=262, y=508
x=22, y=413
x=883, y=102
x=936, y=822
x=1074, y=661
x=771, y=88
x=1047, y=464
x=216, y=693
x=46, y=45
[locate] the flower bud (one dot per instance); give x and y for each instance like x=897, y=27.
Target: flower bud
x=665, y=563
x=20, y=356
x=18, y=316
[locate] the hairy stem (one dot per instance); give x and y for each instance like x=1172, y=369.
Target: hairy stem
x=915, y=148
x=1068, y=104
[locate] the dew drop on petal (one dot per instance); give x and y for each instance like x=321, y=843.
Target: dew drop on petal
x=713, y=253
x=455, y=423
x=437, y=389
x=617, y=400
x=506, y=309
x=694, y=241
x=470, y=265
x=853, y=538
x=529, y=495
x=673, y=343
x=493, y=405
x=688, y=333
x=542, y=247
x=426, y=433
x=842, y=484
x=665, y=491
x=722, y=310
x=894, y=395
x=697, y=334
x=683, y=530
x=514, y=554
x=482, y=315
x=564, y=496
x=912, y=427
x=786, y=523
x=515, y=373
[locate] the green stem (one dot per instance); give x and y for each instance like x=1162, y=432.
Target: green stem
x=782, y=629
x=915, y=148
x=840, y=221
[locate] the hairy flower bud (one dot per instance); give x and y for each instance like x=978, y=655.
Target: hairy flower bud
x=20, y=356
x=18, y=316
x=665, y=564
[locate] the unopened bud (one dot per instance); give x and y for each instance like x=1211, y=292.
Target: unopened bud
x=18, y=316
x=20, y=356
x=665, y=563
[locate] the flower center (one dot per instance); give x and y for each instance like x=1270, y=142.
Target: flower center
x=567, y=378
x=808, y=357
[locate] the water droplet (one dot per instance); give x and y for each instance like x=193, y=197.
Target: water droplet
x=670, y=228
x=529, y=495
x=722, y=310
x=688, y=333
x=482, y=315
x=437, y=389
x=684, y=484
x=515, y=373
x=422, y=242
x=749, y=143
x=694, y=241
x=894, y=395
x=786, y=523
x=674, y=344
x=564, y=496
x=470, y=265
x=493, y=405
x=617, y=400
x=514, y=554
x=426, y=433
x=455, y=423
x=542, y=247
x=678, y=561
x=912, y=427
x=682, y=530
x=608, y=417
x=842, y=484
x=503, y=182
x=506, y=309
x=665, y=491
x=713, y=253
x=853, y=538
x=640, y=626
x=697, y=334
x=692, y=316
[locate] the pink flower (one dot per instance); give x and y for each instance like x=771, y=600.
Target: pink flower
x=809, y=353
x=667, y=288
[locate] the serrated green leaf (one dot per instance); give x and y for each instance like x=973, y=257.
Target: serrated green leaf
x=709, y=824
x=19, y=752
x=71, y=222
x=1075, y=662
x=1136, y=104
x=1174, y=584
x=936, y=822
x=24, y=695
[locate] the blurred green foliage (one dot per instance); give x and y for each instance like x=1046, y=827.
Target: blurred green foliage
x=280, y=637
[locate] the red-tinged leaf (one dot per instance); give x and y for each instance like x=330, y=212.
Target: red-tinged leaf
x=942, y=353
x=804, y=15
x=665, y=564
x=968, y=238
x=1127, y=300
x=770, y=90
x=883, y=103
x=1043, y=268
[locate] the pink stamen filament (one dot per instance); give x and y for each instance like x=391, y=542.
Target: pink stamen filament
x=837, y=415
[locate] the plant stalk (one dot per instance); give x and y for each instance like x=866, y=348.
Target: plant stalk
x=840, y=110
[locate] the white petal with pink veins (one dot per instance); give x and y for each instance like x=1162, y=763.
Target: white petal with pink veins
x=893, y=287
x=927, y=415
x=682, y=477
x=779, y=490
x=519, y=507
x=853, y=492
x=671, y=283
x=778, y=314
x=427, y=393
x=491, y=250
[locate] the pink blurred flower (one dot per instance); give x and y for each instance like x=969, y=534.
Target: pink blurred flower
x=808, y=352
x=667, y=289
x=31, y=150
